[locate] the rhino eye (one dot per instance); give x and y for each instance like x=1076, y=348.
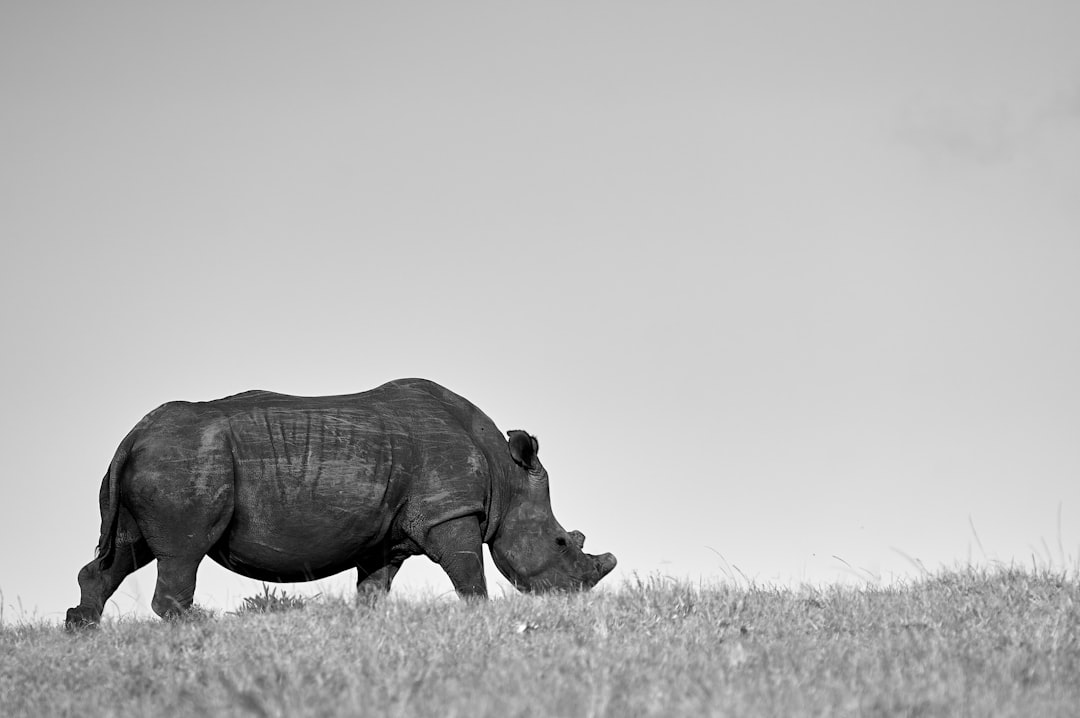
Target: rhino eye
x=560, y=541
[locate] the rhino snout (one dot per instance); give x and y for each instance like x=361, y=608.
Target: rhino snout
x=605, y=563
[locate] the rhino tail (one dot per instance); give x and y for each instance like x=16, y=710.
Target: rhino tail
x=109, y=499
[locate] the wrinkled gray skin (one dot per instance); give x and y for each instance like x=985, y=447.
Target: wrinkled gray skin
x=285, y=488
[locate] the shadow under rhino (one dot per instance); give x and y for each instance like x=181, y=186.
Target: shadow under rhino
x=287, y=488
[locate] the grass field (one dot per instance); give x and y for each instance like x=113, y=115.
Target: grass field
x=973, y=642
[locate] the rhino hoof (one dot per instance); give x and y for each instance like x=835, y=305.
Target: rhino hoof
x=81, y=617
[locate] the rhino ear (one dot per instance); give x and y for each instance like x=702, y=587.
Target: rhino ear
x=523, y=448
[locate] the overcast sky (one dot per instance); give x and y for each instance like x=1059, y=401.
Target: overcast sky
x=788, y=290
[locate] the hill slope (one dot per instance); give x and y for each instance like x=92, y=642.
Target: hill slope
x=981, y=643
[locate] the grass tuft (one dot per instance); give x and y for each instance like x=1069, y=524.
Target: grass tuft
x=270, y=601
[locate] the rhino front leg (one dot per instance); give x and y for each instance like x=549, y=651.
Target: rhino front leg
x=456, y=546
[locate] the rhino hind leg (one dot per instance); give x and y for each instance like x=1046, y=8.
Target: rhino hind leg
x=175, y=589
x=97, y=584
x=374, y=581
x=179, y=551
x=181, y=527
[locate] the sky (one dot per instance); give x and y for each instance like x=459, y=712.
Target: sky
x=789, y=292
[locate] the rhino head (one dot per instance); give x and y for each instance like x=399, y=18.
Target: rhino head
x=530, y=548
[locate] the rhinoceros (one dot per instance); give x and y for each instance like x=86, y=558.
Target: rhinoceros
x=289, y=488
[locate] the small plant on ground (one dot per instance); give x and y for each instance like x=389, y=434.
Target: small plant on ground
x=270, y=601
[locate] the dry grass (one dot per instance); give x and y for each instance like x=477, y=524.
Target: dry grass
x=1003, y=642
